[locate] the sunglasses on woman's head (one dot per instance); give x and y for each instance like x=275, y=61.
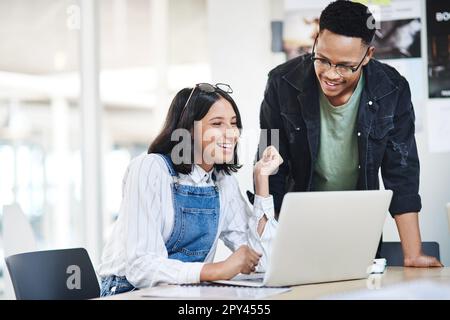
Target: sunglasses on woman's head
x=207, y=87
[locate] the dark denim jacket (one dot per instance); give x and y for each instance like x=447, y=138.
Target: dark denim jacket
x=385, y=130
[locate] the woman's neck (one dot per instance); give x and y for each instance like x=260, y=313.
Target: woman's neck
x=206, y=167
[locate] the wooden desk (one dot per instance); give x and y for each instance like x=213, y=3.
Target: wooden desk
x=393, y=275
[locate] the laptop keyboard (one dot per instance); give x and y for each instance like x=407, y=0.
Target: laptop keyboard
x=256, y=277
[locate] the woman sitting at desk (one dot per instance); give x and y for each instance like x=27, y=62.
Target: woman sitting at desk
x=181, y=197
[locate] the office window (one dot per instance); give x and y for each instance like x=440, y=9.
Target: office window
x=40, y=118
x=149, y=51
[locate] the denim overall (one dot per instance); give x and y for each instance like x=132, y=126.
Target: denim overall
x=196, y=219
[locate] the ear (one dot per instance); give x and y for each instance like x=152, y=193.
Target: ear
x=369, y=55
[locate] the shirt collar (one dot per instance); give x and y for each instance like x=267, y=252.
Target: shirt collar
x=199, y=175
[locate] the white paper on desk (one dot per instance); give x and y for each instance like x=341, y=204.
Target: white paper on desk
x=211, y=292
x=412, y=290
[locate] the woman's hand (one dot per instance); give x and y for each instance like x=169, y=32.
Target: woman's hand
x=269, y=162
x=243, y=260
x=267, y=165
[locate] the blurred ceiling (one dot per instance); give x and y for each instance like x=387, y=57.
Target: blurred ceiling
x=37, y=37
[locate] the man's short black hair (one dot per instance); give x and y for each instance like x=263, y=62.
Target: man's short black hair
x=349, y=19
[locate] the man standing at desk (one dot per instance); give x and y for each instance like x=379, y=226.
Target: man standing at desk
x=342, y=116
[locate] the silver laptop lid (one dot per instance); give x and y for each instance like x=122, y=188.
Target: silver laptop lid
x=326, y=236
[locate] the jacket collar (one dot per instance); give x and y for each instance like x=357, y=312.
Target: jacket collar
x=378, y=83
x=303, y=78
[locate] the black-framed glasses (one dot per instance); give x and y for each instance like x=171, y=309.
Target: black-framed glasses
x=341, y=69
x=207, y=87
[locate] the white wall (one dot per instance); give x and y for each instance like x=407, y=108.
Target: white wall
x=434, y=173
x=435, y=193
x=240, y=55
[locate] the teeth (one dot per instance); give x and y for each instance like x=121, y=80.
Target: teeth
x=331, y=84
x=225, y=145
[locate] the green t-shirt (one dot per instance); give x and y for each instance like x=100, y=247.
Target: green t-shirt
x=336, y=167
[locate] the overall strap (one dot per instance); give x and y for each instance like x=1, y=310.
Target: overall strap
x=169, y=165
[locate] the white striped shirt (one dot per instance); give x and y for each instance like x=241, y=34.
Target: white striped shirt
x=136, y=247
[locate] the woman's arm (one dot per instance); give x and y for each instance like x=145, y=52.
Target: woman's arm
x=262, y=190
x=253, y=228
x=266, y=166
x=243, y=260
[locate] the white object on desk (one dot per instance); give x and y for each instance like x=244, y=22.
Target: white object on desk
x=210, y=292
x=378, y=266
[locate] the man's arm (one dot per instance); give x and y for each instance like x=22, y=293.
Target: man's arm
x=400, y=171
x=408, y=229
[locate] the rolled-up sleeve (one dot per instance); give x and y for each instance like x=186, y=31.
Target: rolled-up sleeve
x=242, y=223
x=400, y=166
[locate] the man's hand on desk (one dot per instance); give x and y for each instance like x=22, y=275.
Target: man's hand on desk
x=409, y=231
x=422, y=261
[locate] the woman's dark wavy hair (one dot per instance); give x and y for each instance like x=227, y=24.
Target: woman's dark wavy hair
x=197, y=108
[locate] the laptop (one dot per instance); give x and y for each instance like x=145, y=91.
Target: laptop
x=323, y=237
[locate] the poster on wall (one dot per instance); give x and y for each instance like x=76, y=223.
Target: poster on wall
x=398, y=43
x=438, y=30
x=398, y=27
x=300, y=30
x=301, y=25
x=397, y=39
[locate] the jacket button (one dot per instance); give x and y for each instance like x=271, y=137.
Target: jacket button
x=359, y=167
x=370, y=103
x=359, y=134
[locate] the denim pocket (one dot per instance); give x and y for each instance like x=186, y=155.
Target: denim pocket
x=197, y=234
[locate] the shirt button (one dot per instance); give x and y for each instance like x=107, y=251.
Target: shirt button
x=359, y=134
x=359, y=167
x=370, y=103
